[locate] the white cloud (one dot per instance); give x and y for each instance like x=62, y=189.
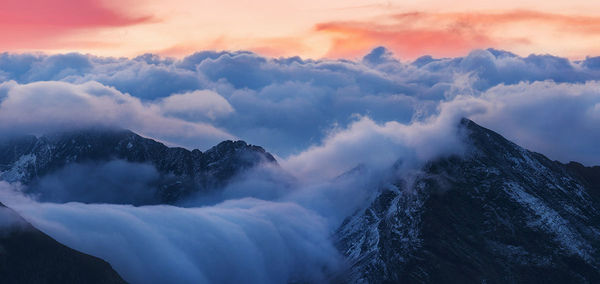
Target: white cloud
x=288, y=104
x=57, y=106
x=238, y=241
x=559, y=120
x=200, y=105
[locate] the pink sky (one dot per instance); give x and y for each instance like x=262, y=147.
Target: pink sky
x=308, y=28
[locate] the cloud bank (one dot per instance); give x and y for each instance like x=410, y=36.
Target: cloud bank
x=115, y=182
x=51, y=106
x=245, y=240
x=288, y=105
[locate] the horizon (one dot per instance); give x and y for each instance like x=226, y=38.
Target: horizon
x=313, y=29
x=316, y=59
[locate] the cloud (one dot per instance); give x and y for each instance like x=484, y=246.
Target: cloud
x=246, y=240
x=413, y=34
x=341, y=130
x=353, y=39
x=115, y=182
x=283, y=104
x=43, y=107
x=559, y=120
x=37, y=23
x=377, y=146
x=196, y=106
x=285, y=236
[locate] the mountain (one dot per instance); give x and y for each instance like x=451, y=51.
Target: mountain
x=495, y=214
x=30, y=256
x=180, y=172
x=498, y=214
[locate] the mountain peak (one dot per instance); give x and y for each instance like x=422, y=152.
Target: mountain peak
x=180, y=171
x=229, y=147
x=500, y=214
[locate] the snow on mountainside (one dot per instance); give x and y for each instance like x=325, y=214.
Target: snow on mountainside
x=500, y=214
x=182, y=172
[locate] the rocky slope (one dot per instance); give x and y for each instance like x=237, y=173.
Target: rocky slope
x=499, y=214
x=30, y=256
x=27, y=159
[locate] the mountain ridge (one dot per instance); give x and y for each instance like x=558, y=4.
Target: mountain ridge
x=500, y=214
x=497, y=213
x=182, y=172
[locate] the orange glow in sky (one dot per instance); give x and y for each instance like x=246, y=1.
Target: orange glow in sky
x=307, y=28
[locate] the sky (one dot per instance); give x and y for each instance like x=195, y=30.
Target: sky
x=310, y=29
x=347, y=95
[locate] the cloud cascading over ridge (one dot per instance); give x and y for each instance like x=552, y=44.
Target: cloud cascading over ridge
x=246, y=240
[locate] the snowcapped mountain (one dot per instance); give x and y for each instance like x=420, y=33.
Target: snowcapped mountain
x=180, y=172
x=499, y=214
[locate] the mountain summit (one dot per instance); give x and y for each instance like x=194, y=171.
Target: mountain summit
x=172, y=173
x=499, y=214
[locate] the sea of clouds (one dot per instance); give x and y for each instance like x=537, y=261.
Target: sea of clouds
x=337, y=128
x=545, y=103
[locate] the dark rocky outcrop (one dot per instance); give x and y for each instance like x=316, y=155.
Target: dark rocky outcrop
x=182, y=172
x=30, y=256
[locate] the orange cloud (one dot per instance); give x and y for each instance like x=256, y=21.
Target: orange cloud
x=39, y=23
x=451, y=34
x=351, y=40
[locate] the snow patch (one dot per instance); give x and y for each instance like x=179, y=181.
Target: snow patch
x=19, y=169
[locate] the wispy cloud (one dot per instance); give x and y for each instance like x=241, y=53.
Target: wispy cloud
x=451, y=34
x=38, y=24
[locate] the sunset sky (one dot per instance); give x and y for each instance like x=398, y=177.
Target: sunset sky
x=316, y=29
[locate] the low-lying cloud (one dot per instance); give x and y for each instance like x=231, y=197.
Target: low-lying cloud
x=246, y=240
x=116, y=182
x=269, y=225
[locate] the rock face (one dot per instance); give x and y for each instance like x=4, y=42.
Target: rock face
x=30, y=256
x=499, y=214
x=182, y=172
